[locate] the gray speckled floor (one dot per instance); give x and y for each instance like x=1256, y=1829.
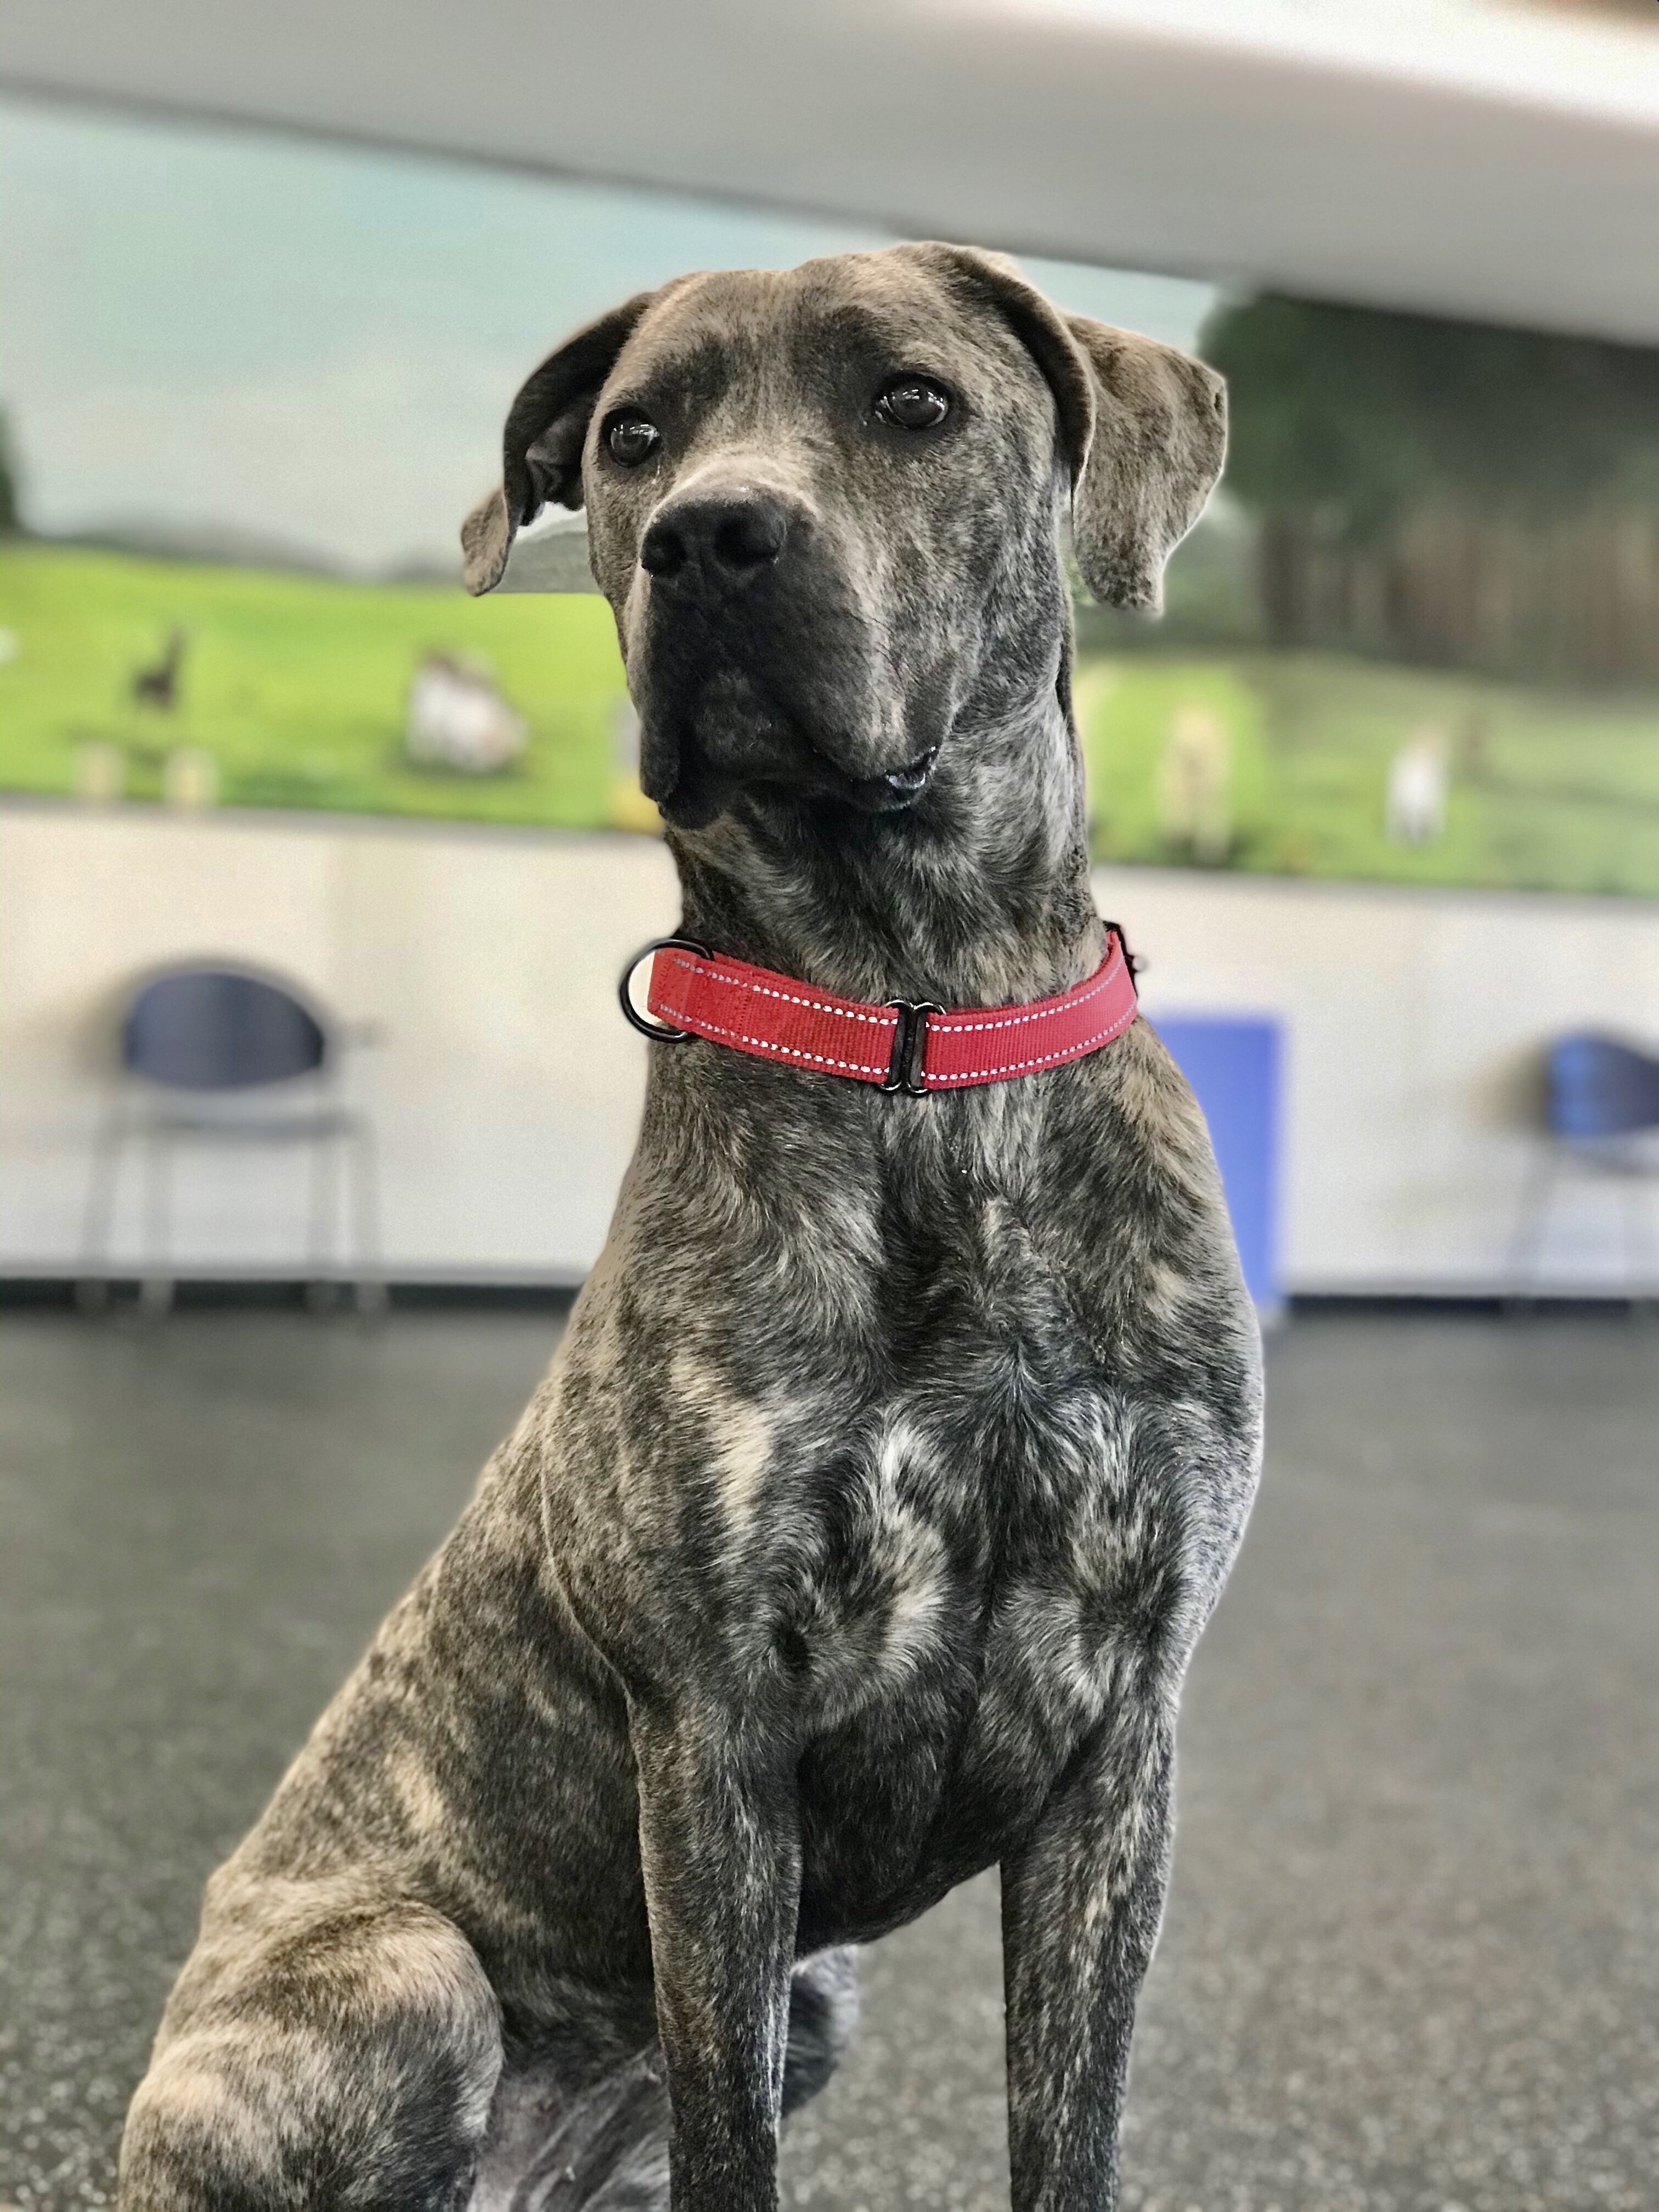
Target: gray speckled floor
x=1412, y=1958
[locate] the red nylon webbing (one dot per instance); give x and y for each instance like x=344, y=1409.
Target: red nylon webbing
x=773, y=1017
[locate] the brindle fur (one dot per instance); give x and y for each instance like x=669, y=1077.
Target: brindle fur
x=897, y=1448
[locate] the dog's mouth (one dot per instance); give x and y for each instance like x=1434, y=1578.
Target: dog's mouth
x=889, y=792
x=914, y=777
x=691, y=785
x=728, y=709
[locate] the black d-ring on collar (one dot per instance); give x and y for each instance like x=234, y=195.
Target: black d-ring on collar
x=658, y=1032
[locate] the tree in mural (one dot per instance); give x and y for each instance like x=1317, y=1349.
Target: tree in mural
x=10, y=519
x=1453, y=491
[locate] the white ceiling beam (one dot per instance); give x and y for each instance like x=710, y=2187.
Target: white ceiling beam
x=1215, y=148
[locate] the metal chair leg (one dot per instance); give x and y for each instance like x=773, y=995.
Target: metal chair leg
x=1537, y=1197
x=156, y=1288
x=323, y=1241
x=92, y=1282
x=366, y=1271
x=1641, y=1279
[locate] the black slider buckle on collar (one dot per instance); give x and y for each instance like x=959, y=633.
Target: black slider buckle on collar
x=904, y=1070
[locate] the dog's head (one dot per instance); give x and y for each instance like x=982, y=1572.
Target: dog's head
x=824, y=505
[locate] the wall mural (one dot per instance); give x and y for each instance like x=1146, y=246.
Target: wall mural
x=1417, y=639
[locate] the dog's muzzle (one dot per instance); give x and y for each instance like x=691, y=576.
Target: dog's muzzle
x=756, y=664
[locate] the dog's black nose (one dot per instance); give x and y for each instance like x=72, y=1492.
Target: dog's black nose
x=724, y=536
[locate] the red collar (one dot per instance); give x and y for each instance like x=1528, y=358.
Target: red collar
x=904, y=1045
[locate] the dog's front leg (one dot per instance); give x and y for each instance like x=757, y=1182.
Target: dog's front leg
x=719, y=1848
x=1081, y=1901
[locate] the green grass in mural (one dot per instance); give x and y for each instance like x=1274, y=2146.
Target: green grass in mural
x=297, y=686
x=1545, y=792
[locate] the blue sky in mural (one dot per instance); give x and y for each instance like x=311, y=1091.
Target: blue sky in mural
x=315, y=344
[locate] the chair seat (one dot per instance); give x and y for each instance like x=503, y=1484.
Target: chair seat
x=1635, y=1154
x=306, y=1124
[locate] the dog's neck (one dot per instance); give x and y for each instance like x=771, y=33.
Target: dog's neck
x=977, y=896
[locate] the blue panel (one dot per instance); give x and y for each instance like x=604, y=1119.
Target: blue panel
x=1233, y=1067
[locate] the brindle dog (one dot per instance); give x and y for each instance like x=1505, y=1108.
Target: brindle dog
x=898, y=1447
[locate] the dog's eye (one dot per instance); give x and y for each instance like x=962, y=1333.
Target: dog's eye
x=631, y=437
x=912, y=403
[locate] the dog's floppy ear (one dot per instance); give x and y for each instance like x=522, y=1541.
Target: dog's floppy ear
x=1160, y=438
x=1144, y=429
x=542, y=444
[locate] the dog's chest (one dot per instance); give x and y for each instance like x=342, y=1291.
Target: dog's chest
x=986, y=1549
x=962, y=1477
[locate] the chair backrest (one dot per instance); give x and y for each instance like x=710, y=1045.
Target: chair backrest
x=217, y=1029
x=1600, y=1087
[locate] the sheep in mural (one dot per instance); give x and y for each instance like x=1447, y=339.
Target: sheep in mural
x=458, y=719
x=1194, y=782
x=1418, y=781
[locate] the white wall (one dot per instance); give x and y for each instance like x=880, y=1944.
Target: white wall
x=1412, y=1022
x=507, y=1087
x=505, y=1090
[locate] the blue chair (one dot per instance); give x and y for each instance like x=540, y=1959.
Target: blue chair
x=226, y=1054
x=1601, y=1108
